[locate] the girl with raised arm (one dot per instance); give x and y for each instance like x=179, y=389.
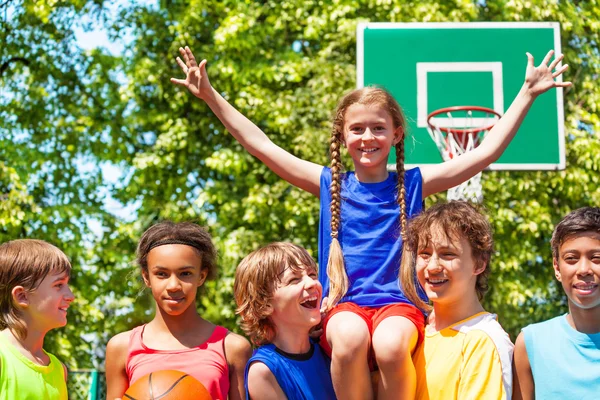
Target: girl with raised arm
x=370, y=322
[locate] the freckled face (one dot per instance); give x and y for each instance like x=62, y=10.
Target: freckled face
x=369, y=134
x=297, y=298
x=446, y=268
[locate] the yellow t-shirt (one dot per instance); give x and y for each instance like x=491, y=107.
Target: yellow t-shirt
x=471, y=359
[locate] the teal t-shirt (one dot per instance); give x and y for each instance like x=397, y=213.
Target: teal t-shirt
x=22, y=379
x=565, y=362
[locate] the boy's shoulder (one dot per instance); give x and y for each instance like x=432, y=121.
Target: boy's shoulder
x=481, y=322
x=483, y=329
x=264, y=350
x=546, y=333
x=545, y=325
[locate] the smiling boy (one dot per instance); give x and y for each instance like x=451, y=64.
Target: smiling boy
x=560, y=358
x=278, y=296
x=34, y=297
x=465, y=353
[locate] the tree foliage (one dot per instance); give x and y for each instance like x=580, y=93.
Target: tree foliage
x=284, y=65
x=58, y=111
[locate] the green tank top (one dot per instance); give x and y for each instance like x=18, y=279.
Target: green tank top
x=22, y=379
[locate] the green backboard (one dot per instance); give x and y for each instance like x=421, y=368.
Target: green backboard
x=428, y=66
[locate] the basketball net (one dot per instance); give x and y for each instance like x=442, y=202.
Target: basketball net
x=462, y=130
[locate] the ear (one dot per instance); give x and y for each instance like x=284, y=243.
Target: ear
x=145, y=277
x=342, y=138
x=556, y=270
x=398, y=135
x=20, y=296
x=202, y=277
x=479, y=268
x=268, y=310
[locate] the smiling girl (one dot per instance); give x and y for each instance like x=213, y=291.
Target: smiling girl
x=175, y=261
x=371, y=323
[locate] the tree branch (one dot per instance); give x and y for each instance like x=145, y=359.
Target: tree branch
x=5, y=3
x=7, y=63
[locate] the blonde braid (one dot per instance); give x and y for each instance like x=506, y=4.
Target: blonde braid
x=408, y=262
x=336, y=271
x=400, y=187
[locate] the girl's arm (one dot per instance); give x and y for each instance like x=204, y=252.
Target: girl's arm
x=301, y=173
x=237, y=352
x=439, y=177
x=523, y=385
x=116, y=357
x=262, y=384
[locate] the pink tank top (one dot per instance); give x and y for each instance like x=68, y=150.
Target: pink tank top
x=206, y=363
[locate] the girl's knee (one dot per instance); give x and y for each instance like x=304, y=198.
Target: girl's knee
x=348, y=335
x=394, y=343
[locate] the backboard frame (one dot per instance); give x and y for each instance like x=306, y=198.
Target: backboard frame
x=493, y=66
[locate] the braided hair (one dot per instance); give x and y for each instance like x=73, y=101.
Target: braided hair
x=370, y=96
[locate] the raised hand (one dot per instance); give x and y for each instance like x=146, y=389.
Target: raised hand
x=196, y=80
x=540, y=79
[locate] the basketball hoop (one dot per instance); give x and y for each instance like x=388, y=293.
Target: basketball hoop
x=460, y=131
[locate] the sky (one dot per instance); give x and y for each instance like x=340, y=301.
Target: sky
x=88, y=40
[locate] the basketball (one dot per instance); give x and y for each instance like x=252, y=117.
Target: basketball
x=167, y=385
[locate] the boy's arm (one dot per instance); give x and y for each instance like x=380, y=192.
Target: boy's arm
x=524, y=386
x=237, y=353
x=538, y=80
x=301, y=173
x=262, y=384
x=116, y=358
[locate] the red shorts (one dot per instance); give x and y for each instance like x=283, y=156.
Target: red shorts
x=373, y=316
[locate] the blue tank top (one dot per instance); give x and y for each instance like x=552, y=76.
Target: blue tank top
x=565, y=362
x=369, y=235
x=300, y=376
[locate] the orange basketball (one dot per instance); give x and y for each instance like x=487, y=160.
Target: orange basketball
x=167, y=385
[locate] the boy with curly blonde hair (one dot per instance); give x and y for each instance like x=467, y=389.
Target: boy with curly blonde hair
x=278, y=296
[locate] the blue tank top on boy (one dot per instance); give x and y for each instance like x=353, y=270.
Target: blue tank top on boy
x=369, y=235
x=300, y=376
x=565, y=362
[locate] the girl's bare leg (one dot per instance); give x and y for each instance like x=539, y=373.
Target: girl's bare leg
x=393, y=342
x=349, y=338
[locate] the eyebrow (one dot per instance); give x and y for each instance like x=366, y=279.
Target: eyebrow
x=579, y=251
x=374, y=122
x=61, y=278
x=178, y=269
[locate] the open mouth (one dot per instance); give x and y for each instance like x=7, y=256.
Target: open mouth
x=369, y=149
x=310, y=302
x=436, y=282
